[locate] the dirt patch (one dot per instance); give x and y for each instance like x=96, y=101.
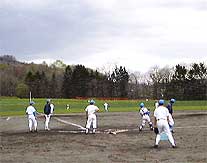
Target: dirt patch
x=66, y=143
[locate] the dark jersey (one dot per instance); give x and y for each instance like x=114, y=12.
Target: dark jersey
x=169, y=107
x=47, y=109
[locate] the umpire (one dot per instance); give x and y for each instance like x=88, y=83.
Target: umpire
x=47, y=111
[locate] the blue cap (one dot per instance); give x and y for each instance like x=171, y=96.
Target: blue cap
x=172, y=100
x=141, y=105
x=161, y=102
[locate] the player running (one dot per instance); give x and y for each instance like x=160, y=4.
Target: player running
x=144, y=112
x=31, y=113
x=91, y=116
x=161, y=120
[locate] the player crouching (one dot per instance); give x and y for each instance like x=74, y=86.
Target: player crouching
x=144, y=112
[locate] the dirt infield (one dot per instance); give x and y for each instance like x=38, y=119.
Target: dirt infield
x=67, y=143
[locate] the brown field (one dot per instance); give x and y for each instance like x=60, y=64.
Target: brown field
x=66, y=143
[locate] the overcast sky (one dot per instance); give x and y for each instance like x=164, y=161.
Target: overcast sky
x=137, y=34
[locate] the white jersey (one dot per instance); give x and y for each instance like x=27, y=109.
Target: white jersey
x=106, y=105
x=161, y=113
x=52, y=108
x=144, y=111
x=91, y=109
x=156, y=105
x=30, y=110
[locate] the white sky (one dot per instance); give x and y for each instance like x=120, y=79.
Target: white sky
x=136, y=34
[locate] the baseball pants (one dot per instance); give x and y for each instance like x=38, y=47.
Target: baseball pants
x=32, y=122
x=91, y=119
x=145, y=119
x=163, y=126
x=171, y=122
x=47, y=120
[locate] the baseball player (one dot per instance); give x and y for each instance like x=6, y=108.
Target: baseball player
x=161, y=120
x=91, y=116
x=156, y=104
x=171, y=119
x=144, y=112
x=52, y=106
x=31, y=114
x=106, y=106
x=68, y=106
x=47, y=112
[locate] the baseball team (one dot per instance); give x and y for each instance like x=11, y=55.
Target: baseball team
x=163, y=118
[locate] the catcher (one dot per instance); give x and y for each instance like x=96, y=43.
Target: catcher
x=144, y=112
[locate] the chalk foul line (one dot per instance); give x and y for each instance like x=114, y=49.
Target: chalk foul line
x=70, y=123
x=115, y=131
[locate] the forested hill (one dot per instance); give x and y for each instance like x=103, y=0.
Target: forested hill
x=8, y=59
x=13, y=75
x=59, y=80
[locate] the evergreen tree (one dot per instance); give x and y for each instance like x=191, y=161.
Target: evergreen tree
x=80, y=81
x=119, y=78
x=53, y=87
x=67, y=83
x=177, y=86
x=29, y=80
x=196, y=87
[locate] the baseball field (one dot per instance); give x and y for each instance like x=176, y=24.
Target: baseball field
x=117, y=139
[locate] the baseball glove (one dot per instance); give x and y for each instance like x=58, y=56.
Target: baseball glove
x=156, y=131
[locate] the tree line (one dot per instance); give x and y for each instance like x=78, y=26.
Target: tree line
x=59, y=80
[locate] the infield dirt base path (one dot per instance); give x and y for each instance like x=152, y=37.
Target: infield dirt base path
x=66, y=143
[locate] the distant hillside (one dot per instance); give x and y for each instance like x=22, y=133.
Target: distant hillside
x=8, y=59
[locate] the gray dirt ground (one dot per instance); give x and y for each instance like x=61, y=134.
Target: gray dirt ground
x=60, y=145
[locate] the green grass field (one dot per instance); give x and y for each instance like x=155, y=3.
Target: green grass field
x=16, y=106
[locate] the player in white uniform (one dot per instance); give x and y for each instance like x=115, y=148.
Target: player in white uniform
x=31, y=114
x=52, y=107
x=144, y=112
x=156, y=104
x=91, y=116
x=161, y=121
x=106, y=106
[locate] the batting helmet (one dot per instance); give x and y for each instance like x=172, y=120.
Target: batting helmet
x=92, y=102
x=31, y=102
x=48, y=100
x=172, y=100
x=141, y=105
x=161, y=102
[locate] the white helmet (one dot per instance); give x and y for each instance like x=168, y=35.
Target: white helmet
x=48, y=100
x=92, y=102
